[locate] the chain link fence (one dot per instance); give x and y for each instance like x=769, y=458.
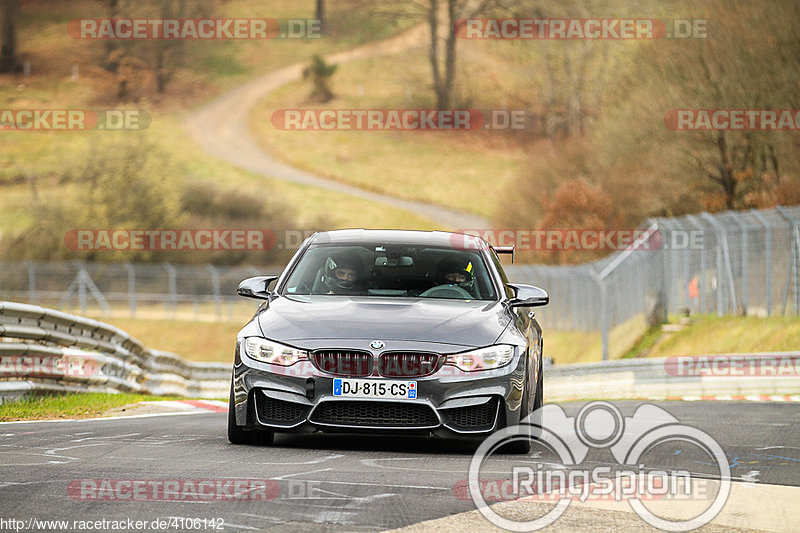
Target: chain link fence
x=732, y=263
x=128, y=289
x=742, y=262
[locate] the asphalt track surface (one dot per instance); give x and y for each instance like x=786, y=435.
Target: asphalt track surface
x=325, y=482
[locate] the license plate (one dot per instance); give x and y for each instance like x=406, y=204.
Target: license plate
x=373, y=388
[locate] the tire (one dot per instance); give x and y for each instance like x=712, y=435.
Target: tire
x=538, y=403
x=523, y=446
x=520, y=446
x=237, y=435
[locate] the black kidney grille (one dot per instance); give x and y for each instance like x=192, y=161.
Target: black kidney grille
x=272, y=410
x=375, y=414
x=343, y=363
x=403, y=365
x=474, y=417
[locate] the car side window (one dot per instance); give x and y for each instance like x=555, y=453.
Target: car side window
x=503, y=277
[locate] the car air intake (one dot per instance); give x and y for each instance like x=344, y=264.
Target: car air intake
x=404, y=365
x=375, y=414
x=343, y=363
x=474, y=417
x=272, y=411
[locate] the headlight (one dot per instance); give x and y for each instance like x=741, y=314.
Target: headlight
x=483, y=359
x=272, y=352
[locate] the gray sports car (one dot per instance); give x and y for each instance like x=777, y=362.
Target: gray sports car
x=392, y=331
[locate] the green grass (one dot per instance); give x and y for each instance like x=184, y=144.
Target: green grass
x=42, y=157
x=567, y=347
x=465, y=170
x=84, y=405
x=705, y=334
x=195, y=341
x=645, y=343
x=732, y=334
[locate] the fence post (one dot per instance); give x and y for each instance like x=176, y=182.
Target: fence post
x=673, y=268
x=82, y=288
x=173, y=287
x=603, y=314
x=745, y=266
x=702, y=281
x=215, y=288
x=131, y=288
x=768, y=249
x=32, y=296
x=792, y=272
x=722, y=243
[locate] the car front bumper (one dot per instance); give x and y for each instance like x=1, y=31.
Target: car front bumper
x=449, y=402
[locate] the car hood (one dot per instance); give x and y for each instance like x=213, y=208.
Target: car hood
x=316, y=321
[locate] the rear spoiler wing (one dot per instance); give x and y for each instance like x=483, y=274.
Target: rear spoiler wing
x=504, y=250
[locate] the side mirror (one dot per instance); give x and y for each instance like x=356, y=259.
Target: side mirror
x=256, y=287
x=528, y=296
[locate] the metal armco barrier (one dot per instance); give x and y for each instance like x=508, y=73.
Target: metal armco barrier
x=737, y=376
x=44, y=350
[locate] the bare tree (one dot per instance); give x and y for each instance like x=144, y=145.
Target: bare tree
x=9, y=11
x=320, y=15
x=442, y=18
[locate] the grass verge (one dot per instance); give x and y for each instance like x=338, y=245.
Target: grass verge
x=54, y=407
x=205, y=342
x=731, y=334
x=464, y=170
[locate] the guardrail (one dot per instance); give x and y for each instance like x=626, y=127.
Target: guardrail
x=44, y=350
x=738, y=376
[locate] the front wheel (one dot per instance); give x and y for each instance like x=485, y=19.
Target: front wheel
x=237, y=435
x=522, y=442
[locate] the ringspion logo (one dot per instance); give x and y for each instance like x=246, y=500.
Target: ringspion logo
x=601, y=425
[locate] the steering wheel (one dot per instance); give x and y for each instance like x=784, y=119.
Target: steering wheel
x=446, y=291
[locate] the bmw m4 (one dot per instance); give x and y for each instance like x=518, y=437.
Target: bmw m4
x=392, y=331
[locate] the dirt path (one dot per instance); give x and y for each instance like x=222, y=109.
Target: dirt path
x=220, y=127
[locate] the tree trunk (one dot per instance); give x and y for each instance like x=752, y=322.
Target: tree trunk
x=726, y=175
x=320, y=15
x=8, y=49
x=450, y=58
x=433, y=53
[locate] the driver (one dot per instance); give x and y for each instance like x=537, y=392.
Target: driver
x=344, y=275
x=455, y=272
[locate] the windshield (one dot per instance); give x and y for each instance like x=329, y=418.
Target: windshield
x=392, y=270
